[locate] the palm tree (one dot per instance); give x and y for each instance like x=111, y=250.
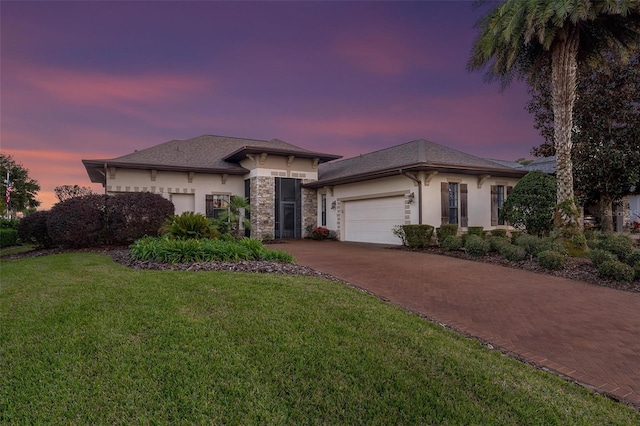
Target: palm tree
x=518, y=35
x=235, y=216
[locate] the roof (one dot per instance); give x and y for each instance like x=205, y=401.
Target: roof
x=411, y=156
x=206, y=154
x=544, y=164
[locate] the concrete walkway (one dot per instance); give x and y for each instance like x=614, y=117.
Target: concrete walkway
x=586, y=332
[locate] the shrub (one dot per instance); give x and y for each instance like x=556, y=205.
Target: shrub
x=499, y=233
x=78, y=222
x=599, y=256
x=398, y=231
x=512, y=252
x=476, y=230
x=550, y=259
x=616, y=270
x=417, y=236
x=133, y=215
x=173, y=250
x=515, y=235
x=446, y=230
x=320, y=233
x=452, y=243
x=9, y=224
x=8, y=237
x=552, y=244
x=531, y=202
x=636, y=271
x=619, y=244
x=33, y=229
x=189, y=225
x=496, y=243
x=530, y=243
x=476, y=246
x=633, y=259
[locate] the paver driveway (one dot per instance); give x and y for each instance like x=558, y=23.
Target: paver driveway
x=589, y=333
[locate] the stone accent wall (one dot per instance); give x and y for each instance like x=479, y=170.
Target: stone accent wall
x=263, y=198
x=309, y=208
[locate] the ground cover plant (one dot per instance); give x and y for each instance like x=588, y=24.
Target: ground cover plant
x=87, y=341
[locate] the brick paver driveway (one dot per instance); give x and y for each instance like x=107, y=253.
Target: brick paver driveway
x=589, y=333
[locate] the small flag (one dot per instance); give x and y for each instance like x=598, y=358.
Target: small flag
x=7, y=195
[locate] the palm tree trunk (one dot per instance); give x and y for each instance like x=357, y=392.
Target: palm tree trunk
x=563, y=82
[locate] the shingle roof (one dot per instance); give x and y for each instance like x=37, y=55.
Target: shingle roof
x=207, y=153
x=544, y=164
x=418, y=154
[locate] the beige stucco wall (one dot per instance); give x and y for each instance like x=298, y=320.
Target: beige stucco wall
x=478, y=199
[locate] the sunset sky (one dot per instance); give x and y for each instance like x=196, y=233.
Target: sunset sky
x=88, y=80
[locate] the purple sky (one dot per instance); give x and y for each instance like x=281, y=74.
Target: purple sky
x=101, y=79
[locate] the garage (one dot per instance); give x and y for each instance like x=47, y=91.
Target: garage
x=371, y=220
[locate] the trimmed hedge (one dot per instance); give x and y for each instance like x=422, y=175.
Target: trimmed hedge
x=476, y=230
x=476, y=246
x=8, y=237
x=616, y=270
x=33, y=229
x=446, y=230
x=452, y=243
x=133, y=215
x=78, y=222
x=418, y=236
x=499, y=233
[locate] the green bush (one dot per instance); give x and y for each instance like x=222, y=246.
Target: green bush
x=499, y=233
x=619, y=244
x=550, y=259
x=9, y=223
x=476, y=230
x=553, y=244
x=515, y=235
x=616, y=271
x=8, y=237
x=176, y=250
x=476, y=246
x=513, y=252
x=417, y=236
x=531, y=202
x=599, y=256
x=636, y=271
x=530, y=243
x=446, y=230
x=78, y=222
x=452, y=243
x=133, y=215
x=633, y=259
x=33, y=229
x=189, y=225
x=497, y=242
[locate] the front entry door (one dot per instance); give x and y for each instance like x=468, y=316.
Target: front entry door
x=288, y=219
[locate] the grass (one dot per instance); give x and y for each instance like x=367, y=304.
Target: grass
x=8, y=251
x=84, y=340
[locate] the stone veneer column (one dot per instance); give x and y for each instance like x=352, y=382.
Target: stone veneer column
x=309, y=207
x=263, y=218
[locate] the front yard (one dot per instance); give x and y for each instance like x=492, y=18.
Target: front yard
x=85, y=340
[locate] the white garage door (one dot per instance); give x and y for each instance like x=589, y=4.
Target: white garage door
x=370, y=221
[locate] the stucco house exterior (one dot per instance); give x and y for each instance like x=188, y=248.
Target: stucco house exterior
x=291, y=189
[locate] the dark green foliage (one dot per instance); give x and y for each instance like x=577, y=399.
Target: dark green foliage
x=636, y=271
x=633, y=259
x=530, y=243
x=496, y=243
x=475, y=230
x=33, y=229
x=531, y=202
x=499, y=233
x=78, y=222
x=418, y=236
x=8, y=237
x=446, y=230
x=452, y=243
x=189, y=225
x=476, y=246
x=550, y=259
x=619, y=244
x=133, y=215
x=512, y=252
x=616, y=271
x=9, y=224
x=599, y=256
x=515, y=235
x=172, y=250
x=25, y=189
x=549, y=243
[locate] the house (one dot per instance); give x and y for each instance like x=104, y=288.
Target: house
x=292, y=189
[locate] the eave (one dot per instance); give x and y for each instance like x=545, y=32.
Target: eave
x=240, y=154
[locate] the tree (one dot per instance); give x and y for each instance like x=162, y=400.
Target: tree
x=235, y=216
x=23, y=188
x=516, y=36
x=64, y=192
x=531, y=202
x=606, y=136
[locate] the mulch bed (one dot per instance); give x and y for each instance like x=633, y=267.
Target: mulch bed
x=575, y=268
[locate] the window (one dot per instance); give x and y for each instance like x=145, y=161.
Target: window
x=453, y=203
x=500, y=202
x=216, y=204
x=323, y=207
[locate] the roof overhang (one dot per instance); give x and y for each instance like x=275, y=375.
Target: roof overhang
x=428, y=167
x=96, y=169
x=240, y=154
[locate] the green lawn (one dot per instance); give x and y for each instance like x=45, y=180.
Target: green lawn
x=87, y=341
